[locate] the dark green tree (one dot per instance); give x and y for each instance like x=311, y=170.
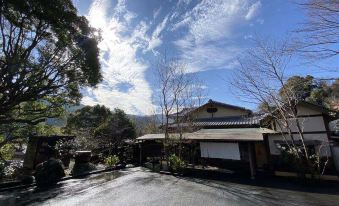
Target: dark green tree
x=85, y=121
x=308, y=89
x=47, y=53
x=312, y=90
x=115, y=130
x=301, y=87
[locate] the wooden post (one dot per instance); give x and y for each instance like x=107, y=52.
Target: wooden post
x=140, y=153
x=251, y=160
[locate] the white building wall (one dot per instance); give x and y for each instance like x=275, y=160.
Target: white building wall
x=220, y=150
x=307, y=124
x=302, y=110
x=324, y=150
x=222, y=112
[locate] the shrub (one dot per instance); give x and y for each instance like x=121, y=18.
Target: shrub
x=112, y=160
x=49, y=172
x=65, y=147
x=12, y=169
x=175, y=163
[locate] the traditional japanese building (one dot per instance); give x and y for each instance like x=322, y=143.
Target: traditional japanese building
x=234, y=137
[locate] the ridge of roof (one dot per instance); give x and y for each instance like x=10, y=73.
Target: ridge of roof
x=210, y=101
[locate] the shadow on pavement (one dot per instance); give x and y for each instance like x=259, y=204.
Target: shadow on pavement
x=267, y=181
x=61, y=190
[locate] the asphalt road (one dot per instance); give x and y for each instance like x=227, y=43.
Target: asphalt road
x=136, y=186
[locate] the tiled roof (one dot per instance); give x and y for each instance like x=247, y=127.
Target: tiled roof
x=225, y=121
x=236, y=134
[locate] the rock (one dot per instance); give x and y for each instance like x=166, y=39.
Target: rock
x=82, y=168
x=27, y=179
x=83, y=156
x=49, y=172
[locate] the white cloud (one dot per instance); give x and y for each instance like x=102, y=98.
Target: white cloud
x=155, y=39
x=253, y=10
x=156, y=12
x=210, y=40
x=120, y=63
x=206, y=41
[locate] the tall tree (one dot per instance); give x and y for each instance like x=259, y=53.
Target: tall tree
x=47, y=53
x=115, y=130
x=84, y=122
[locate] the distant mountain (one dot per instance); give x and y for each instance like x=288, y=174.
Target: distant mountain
x=73, y=108
x=61, y=122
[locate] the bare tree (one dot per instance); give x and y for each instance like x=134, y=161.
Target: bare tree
x=320, y=30
x=178, y=90
x=261, y=79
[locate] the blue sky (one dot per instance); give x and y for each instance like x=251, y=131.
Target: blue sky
x=207, y=36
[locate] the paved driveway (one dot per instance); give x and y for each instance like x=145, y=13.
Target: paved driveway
x=137, y=186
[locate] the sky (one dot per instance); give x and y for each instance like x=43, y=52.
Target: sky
x=207, y=35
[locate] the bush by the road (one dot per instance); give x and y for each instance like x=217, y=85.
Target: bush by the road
x=175, y=163
x=49, y=172
x=112, y=160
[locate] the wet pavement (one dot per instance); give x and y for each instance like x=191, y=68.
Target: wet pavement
x=137, y=186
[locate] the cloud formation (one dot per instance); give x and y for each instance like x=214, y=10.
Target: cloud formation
x=210, y=39
x=120, y=63
x=203, y=36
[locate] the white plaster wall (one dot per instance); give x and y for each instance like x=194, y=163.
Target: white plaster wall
x=302, y=110
x=308, y=124
x=324, y=150
x=220, y=150
x=222, y=112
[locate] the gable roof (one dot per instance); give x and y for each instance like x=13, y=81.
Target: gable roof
x=212, y=102
x=186, y=111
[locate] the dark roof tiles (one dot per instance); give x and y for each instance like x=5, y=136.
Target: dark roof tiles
x=226, y=121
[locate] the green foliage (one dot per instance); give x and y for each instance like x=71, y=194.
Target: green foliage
x=48, y=53
x=84, y=122
x=12, y=169
x=311, y=90
x=88, y=117
x=97, y=127
x=18, y=134
x=116, y=129
x=301, y=87
x=65, y=147
x=7, y=150
x=175, y=163
x=112, y=160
